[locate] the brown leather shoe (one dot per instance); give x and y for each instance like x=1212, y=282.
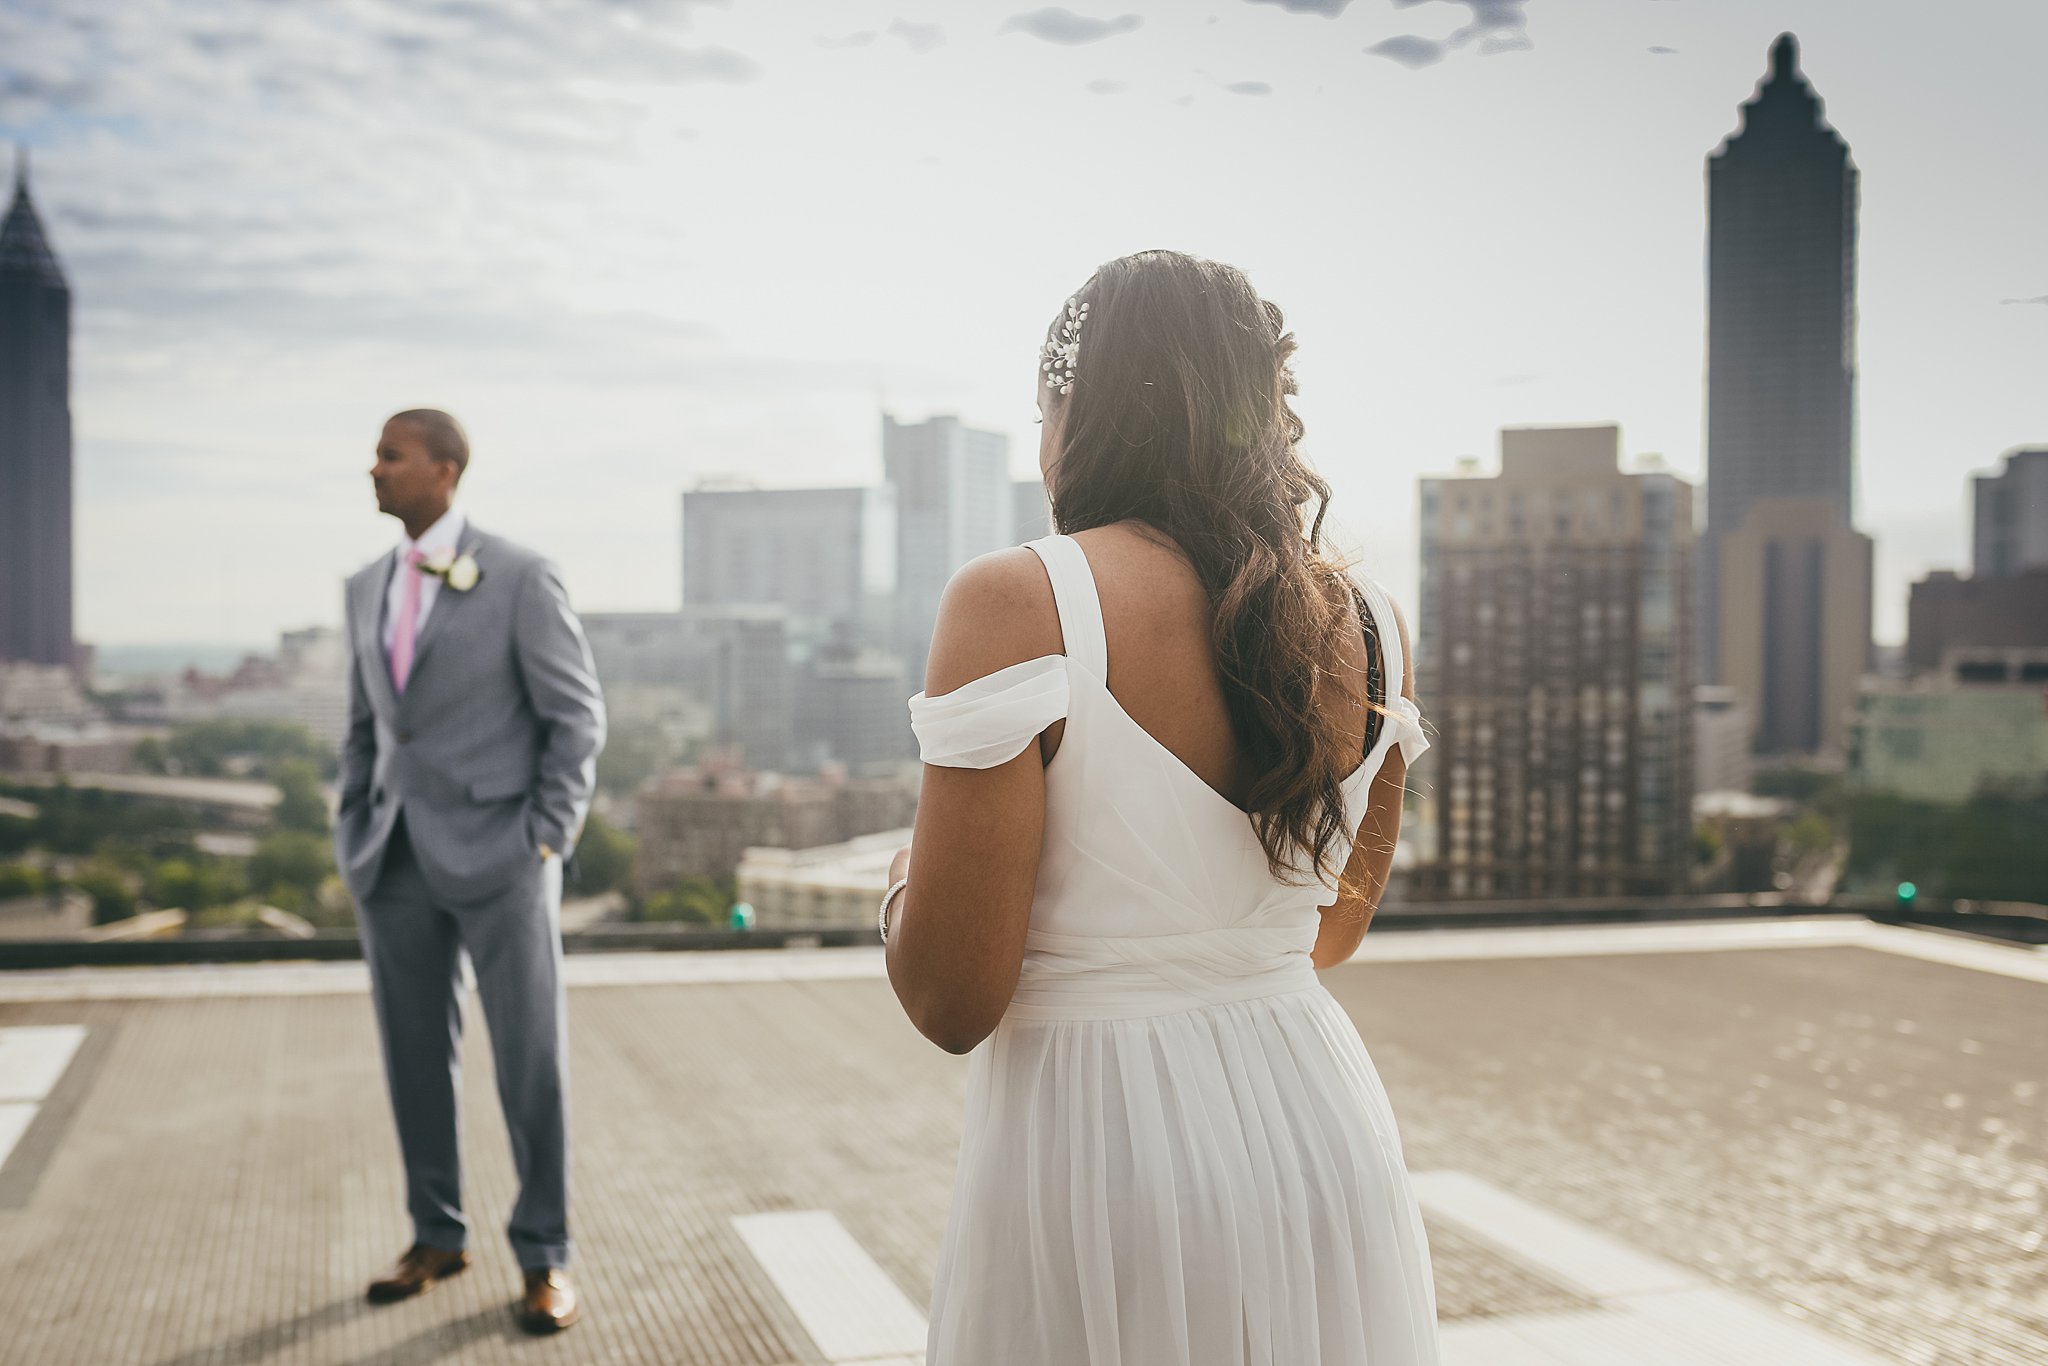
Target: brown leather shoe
x=549, y=1304
x=419, y=1268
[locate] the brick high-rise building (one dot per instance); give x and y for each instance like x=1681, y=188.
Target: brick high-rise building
x=35, y=440
x=1555, y=657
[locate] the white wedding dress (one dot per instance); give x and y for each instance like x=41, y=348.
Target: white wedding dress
x=1176, y=1151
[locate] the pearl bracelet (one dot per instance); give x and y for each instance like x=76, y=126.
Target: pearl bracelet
x=882, y=916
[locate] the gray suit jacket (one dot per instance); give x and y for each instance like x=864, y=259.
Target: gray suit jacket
x=492, y=749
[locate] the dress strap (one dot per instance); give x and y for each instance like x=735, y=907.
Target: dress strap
x=1406, y=729
x=1388, y=631
x=1080, y=609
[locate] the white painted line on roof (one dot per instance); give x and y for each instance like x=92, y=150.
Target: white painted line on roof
x=2029, y=964
x=1649, y=1310
x=1565, y=1251
x=33, y=1057
x=1577, y=941
x=1493, y=1342
x=652, y=968
x=185, y=981
x=32, y=1062
x=15, y=1117
x=849, y=1306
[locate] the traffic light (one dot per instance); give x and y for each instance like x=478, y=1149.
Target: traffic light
x=1907, y=891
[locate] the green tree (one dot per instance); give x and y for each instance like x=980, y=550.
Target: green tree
x=19, y=880
x=16, y=832
x=1809, y=833
x=196, y=884
x=111, y=890
x=151, y=755
x=1988, y=848
x=215, y=748
x=301, y=805
x=293, y=860
x=604, y=857
x=694, y=900
x=80, y=820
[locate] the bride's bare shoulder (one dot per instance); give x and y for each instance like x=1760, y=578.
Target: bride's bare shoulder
x=997, y=611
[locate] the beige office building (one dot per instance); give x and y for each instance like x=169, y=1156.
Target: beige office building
x=1795, y=623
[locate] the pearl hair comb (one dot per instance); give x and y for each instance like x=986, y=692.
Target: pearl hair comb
x=1063, y=352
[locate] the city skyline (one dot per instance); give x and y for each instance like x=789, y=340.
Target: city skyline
x=560, y=275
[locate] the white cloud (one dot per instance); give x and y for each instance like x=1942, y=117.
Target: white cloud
x=635, y=243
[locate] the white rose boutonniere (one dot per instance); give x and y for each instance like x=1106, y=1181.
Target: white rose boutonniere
x=459, y=572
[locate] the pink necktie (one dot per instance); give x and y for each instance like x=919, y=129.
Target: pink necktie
x=408, y=622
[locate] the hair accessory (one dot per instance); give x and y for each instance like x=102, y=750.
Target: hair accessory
x=1063, y=352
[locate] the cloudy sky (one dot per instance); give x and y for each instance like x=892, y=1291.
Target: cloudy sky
x=635, y=243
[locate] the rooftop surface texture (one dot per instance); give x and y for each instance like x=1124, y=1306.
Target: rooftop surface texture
x=1813, y=1143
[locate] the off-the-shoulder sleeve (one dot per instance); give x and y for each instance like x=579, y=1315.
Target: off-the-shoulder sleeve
x=1404, y=724
x=989, y=721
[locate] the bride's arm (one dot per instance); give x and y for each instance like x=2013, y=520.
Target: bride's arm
x=956, y=932
x=1372, y=857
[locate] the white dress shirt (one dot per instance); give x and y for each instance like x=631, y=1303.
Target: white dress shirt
x=446, y=534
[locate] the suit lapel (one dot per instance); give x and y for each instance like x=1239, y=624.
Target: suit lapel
x=445, y=606
x=369, y=631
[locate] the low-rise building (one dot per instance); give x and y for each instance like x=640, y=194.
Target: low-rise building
x=698, y=822
x=304, y=684
x=1721, y=731
x=837, y=886
x=1947, y=613
x=1980, y=720
x=41, y=694
x=66, y=749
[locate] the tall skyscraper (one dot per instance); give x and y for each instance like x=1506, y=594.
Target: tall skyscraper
x=827, y=557
x=1795, y=623
x=1781, y=375
x=953, y=502
x=1555, y=656
x=35, y=439
x=2010, y=531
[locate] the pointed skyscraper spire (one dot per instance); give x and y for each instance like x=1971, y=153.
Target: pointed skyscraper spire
x=1783, y=574
x=36, y=477
x=1785, y=57
x=24, y=249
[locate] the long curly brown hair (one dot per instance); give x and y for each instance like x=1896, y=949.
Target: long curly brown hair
x=1178, y=419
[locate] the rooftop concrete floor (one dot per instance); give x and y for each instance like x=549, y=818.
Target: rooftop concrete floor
x=1810, y=1142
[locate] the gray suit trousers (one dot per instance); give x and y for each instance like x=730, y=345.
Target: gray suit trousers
x=413, y=943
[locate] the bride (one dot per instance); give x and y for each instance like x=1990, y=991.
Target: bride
x=1165, y=753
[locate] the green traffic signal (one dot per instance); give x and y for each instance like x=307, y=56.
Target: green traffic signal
x=1907, y=891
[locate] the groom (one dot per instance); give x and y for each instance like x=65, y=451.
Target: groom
x=474, y=727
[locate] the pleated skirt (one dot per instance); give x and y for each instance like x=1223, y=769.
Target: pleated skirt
x=1222, y=1186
